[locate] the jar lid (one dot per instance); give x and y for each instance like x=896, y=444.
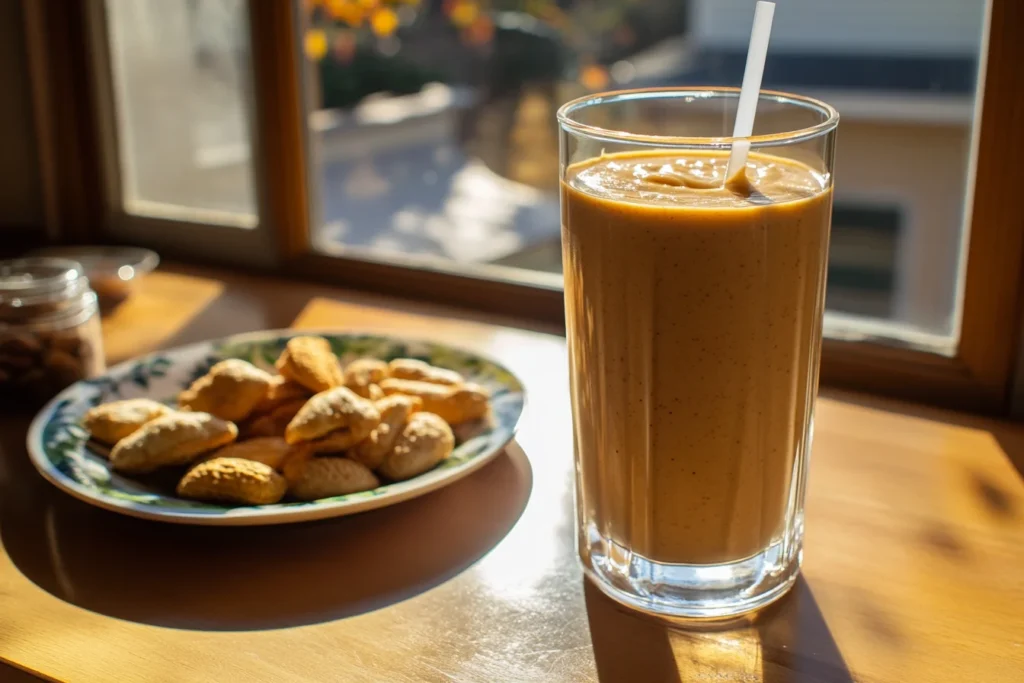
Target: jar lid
x=32, y=287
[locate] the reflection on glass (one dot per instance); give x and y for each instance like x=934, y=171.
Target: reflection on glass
x=433, y=124
x=181, y=85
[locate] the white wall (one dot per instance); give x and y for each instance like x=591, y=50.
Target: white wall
x=922, y=169
x=845, y=26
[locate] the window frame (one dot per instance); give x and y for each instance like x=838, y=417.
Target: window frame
x=70, y=63
x=252, y=245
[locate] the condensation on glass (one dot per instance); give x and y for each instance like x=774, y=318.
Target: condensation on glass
x=694, y=308
x=182, y=91
x=434, y=136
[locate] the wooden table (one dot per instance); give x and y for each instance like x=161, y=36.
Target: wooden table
x=914, y=560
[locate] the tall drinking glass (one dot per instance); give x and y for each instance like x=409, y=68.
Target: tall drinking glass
x=693, y=313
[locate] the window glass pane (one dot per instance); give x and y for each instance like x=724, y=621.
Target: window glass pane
x=434, y=135
x=182, y=95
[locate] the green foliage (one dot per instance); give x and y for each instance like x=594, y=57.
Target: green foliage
x=344, y=84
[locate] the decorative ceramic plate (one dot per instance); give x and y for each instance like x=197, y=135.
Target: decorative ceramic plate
x=60, y=450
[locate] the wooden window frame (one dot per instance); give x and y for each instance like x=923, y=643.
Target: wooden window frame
x=69, y=59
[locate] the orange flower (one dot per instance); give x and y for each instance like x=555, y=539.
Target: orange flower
x=594, y=77
x=464, y=12
x=384, y=22
x=348, y=11
x=316, y=44
x=480, y=32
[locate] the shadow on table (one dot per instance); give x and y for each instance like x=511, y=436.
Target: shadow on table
x=247, y=578
x=789, y=642
x=996, y=496
x=9, y=674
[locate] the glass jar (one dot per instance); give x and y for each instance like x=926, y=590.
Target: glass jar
x=49, y=330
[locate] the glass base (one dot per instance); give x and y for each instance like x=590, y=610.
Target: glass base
x=690, y=591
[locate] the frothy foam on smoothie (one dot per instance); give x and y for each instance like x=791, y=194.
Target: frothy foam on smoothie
x=694, y=180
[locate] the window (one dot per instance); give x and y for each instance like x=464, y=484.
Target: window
x=863, y=259
x=410, y=146
x=434, y=136
x=181, y=81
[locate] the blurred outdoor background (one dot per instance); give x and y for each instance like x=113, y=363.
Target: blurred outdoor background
x=432, y=128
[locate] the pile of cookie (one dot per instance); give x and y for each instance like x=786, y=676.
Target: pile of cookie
x=313, y=430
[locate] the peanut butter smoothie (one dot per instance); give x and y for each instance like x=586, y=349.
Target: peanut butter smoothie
x=694, y=324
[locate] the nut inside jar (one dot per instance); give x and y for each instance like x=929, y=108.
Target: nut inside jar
x=49, y=330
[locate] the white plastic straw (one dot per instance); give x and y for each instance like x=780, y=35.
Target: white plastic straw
x=752, y=75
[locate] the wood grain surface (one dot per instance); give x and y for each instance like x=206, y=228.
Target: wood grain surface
x=913, y=557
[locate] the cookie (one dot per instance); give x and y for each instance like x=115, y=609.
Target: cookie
x=111, y=422
x=281, y=391
x=334, y=410
x=274, y=422
x=233, y=480
x=425, y=440
x=337, y=442
x=312, y=478
x=174, y=439
x=269, y=450
x=364, y=373
x=454, y=403
x=411, y=368
x=310, y=362
x=394, y=411
x=230, y=390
